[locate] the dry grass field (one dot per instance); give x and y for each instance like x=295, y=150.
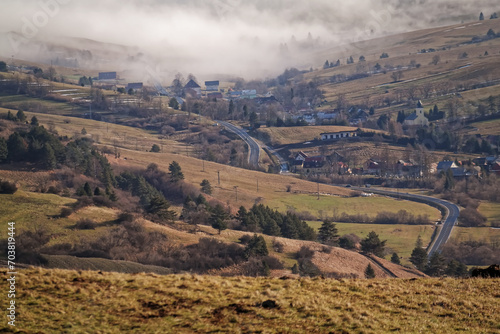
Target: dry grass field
x=487, y=127
x=49, y=301
x=291, y=135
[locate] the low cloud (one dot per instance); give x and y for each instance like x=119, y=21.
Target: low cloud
x=244, y=38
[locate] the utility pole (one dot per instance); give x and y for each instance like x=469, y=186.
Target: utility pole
x=203, y=164
x=236, y=190
x=318, y=190
x=257, y=185
x=218, y=177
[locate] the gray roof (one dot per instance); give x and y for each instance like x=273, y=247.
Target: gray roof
x=445, y=165
x=192, y=84
x=419, y=104
x=411, y=117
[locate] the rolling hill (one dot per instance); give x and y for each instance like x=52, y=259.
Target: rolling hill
x=115, y=303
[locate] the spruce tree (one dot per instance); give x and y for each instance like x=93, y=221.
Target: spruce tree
x=372, y=244
x=369, y=272
x=328, y=233
x=218, y=218
x=16, y=146
x=48, y=157
x=87, y=189
x=419, y=255
x=34, y=121
x=256, y=247
x=395, y=258
x=175, y=172
x=206, y=187
x=21, y=116
x=4, y=151
x=436, y=265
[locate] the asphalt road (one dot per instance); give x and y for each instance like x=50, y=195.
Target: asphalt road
x=448, y=223
x=253, y=147
x=282, y=162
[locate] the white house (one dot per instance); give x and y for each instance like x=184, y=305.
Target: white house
x=212, y=86
x=417, y=118
x=338, y=135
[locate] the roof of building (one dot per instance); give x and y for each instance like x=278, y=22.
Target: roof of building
x=134, y=85
x=212, y=83
x=445, y=165
x=411, y=117
x=301, y=154
x=419, y=104
x=335, y=132
x=192, y=84
x=314, y=162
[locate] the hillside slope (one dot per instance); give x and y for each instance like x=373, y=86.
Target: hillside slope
x=51, y=301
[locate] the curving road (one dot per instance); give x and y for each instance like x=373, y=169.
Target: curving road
x=283, y=163
x=253, y=147
x=451, y=216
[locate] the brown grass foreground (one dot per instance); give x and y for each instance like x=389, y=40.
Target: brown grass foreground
x=50, y=301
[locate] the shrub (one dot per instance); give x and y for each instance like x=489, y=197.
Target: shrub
x=85, y=224
x=7, y=187
x=305, y=253
x=102, y=201
x=125, y=217
x=53, y=190
x=278, y=246
x=65, y=212
x=245, y=239
x=470, y=217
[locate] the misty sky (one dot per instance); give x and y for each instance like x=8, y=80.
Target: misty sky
x=228, y=36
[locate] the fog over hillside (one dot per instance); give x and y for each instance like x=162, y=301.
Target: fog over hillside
x=246, y=38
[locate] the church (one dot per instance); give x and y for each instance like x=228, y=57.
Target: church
x=417, y=118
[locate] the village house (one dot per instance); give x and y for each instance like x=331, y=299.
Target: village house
x=338, y=135
x=443, y=166
x=299, y=159
x=315, y=165
x=192, y=88
x=135, y=86
x=372, y=167
x=212, y=86
x=107, y=76
x=407, y=168
x=495, y=168
x=417, y=118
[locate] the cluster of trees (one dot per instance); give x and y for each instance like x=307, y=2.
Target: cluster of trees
x=151, y=199
x=385, y=217
x=263, y=219
x=85, y=81
x=37, y=145
x=437, y=264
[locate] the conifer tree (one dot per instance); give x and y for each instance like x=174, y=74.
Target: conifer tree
x=419, y=255
x=328, y=233
x=218, y=218
x=372, y=244
x=395, y=258
x=4, y=151
x=369, y=272
x=175, y=172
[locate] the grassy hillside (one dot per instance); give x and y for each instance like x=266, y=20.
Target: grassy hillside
x=290, y=135
x=400, y=238
x=51, y=301
x=331, y=205
x=34, y=211
x=449, y=43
